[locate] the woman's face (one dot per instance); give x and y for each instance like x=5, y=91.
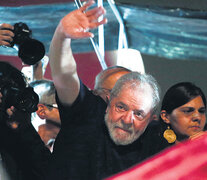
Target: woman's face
x=188, y=119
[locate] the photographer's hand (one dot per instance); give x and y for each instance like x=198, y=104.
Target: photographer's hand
x=6, y=34
x=9, y=113
x=11, y=122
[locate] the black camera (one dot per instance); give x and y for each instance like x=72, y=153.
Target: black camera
x=22, y=99
x=29, y=50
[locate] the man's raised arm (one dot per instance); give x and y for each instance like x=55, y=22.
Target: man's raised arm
x=75, y=25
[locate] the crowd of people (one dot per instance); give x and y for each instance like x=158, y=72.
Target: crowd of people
x=91, y=134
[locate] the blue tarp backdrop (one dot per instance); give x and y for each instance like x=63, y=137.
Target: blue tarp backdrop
x=170, y=33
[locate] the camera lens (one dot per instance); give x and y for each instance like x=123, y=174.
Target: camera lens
x=31, y=51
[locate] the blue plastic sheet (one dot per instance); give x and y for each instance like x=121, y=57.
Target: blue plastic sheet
x=170, y=33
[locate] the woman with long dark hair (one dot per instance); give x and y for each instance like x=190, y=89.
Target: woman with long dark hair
x=182, y=117
x=183, y=112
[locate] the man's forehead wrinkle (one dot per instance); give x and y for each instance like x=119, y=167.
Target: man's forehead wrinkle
x=132, y=102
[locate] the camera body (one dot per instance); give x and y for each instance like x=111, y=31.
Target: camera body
x=29, y=50
x=22, y=99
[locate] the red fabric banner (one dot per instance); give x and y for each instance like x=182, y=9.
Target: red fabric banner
x=186, y=161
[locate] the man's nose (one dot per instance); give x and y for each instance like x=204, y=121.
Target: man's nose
x=129, y=117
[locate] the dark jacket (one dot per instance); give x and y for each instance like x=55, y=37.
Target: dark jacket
x=23, y=154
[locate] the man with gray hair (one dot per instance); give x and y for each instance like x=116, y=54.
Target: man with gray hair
x=84, y=149
x=134, y=98
x=106, y=79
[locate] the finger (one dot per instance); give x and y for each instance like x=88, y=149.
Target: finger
x=10, y=111
x=85, y=34
x=6, y=38
x=13, y=108
x=7, y=33
x=98, y=11
x=99, y=17
x=96, y=24
x=88, y=35
x=87, y=5
x=8, y=26
x=5, y=43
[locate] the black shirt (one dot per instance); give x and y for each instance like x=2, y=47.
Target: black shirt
x=83, y=148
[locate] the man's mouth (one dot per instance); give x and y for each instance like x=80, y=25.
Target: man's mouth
x=123, y=130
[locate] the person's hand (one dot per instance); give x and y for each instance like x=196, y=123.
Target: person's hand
x=6, y=34
x=10, y=110
x=9, y=114
x=77, y=24
x=12, y=123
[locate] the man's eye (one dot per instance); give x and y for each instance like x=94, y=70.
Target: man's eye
x=120, y=108
x=138, y=114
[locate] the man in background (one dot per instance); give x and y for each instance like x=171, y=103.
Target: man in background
x=47, y=111
x=106, y=80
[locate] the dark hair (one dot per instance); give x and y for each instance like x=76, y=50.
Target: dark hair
x=11, y=74
x=180, y=94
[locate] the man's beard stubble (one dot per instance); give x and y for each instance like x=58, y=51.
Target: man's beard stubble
x=120, y=139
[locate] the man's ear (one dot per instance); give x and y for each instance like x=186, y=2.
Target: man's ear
x=165, y=116
x=107, y=98
x=41, y=111
x=107, y=109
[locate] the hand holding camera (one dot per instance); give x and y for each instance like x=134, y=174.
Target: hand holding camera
x=6, y=34
x=16, y=108
x=24, y=99
x=7, y=116
x=19, y=36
